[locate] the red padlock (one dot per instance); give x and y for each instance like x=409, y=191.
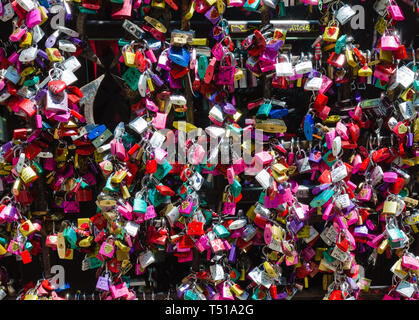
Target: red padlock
x=151, y=166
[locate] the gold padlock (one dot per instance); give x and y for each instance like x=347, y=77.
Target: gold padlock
x=28, y=175
x=16, y=186
x=158, y=4
x=383, y=246
x=408, y=94
x=125, y=192
x=69, y=253
x=121, y=255
x=390, y=207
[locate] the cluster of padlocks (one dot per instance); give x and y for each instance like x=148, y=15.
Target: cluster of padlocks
x=361, y=168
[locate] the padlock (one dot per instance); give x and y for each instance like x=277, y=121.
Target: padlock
x=331, y=32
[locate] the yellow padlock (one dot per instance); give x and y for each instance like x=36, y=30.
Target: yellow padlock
x=119, y=176
x=236, y=289
x=27, y=228
x=365, y=71
x=129, y=57
x=69, y=253
x=3, y=250
x=331, y=32
x=190, y=12
x=44, y=15
x=408, y=94
x=54, y=55
x=27, y=40
x=28, y=175
x=123, y=247
x=350, y=57
x=86, y=242
x=16, y=186
x=158, y=4
x=269, y=269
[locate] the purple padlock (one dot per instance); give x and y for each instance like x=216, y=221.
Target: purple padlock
x=228, y=108
x=390, y=176
x=295, y=226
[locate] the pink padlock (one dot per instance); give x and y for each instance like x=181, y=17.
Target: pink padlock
x=395, y=11
x=365, y=193
x=342, y=130
x=150, y=213
x=17, y=34
x=33, y=18
x=330, y=136
x=13, y=58
x=159, y=120
x=263, y=157
x=239, y=166
x=390, y=177
x=389, y=42
x=326, y=84
x=230, y=175
x=285, y=196
x=352, y=217
x=327, y=211
x=356, y=163
x=150, y=105
x=229, y=208
x=271, y=203
x=119, y=290
x=125, y=212
x=118, y=149
x=159, y=155
x=410, y=262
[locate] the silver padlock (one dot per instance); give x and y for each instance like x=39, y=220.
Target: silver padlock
x=403, y=77
x=66, y=45
x=157, y=140
x=313, y=84
x=217, y=113
x=264, y=178
x=131, y=228
x=284, y=68
x=338, y=173
x=57, y=102
x=344, y=14
x=72, y=64
x=8, y=12
x=28, y=54
x=336, y=145
x=139, y=125
x=142, y=85
x=342, y=201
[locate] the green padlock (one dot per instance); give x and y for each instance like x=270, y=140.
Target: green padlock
x=340, y=43
x=264, y=110
x=322, y=198
x=236, y=188
x=190, y=295
x=221, y=231
x=70, y=236
x=251, y=5
x=202, y=66
x=110, y=187
x=162, y=170
x=131, y=77
x=31, y=82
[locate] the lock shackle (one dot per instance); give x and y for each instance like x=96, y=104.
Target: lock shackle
x=230, y=54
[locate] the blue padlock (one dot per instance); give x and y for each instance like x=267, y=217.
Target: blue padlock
x=179, y=55
x=96, y=132
x=308, y=127
x=278, y=113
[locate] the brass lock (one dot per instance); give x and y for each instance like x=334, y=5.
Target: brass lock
x=28, y=175
x=27, y=228
x=390, y=207
x=119, y=176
